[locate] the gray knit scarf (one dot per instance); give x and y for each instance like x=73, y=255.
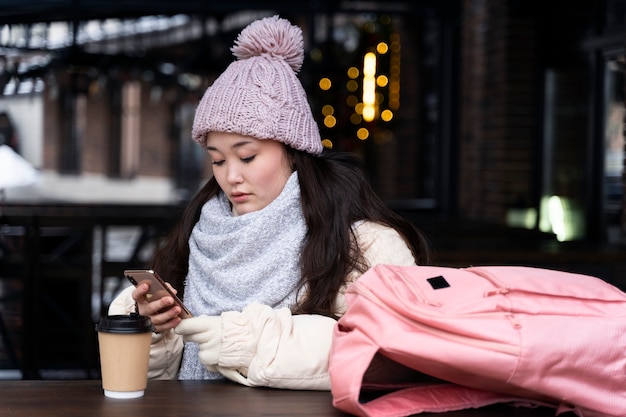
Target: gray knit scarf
x=235, y=260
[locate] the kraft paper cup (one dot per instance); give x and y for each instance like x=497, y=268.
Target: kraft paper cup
x=124, y=343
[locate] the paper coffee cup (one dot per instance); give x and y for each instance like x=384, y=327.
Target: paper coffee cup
x=124, y=342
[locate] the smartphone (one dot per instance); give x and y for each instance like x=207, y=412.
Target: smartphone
x=158, y=287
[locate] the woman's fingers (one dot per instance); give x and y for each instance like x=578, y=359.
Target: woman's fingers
x=163, y=312
x=165, y=320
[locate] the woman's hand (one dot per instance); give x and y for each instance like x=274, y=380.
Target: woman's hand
x=206, y=331
x=163, y=312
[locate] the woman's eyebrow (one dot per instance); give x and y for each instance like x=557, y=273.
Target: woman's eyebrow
x=241, y=143
x=236, y=145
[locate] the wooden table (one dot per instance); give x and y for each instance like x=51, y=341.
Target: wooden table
x=84, y=398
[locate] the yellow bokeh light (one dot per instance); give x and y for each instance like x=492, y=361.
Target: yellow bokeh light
x=382, y=48
x=359, y=108
x=330, y=121
x=327, y=143
x=369, y=87
x=362, y=133
x=355, y=118
x=386, y=115
x=369, y=97
x=325, y=83
x=369, y=64
x=352, y=100
x=394, y=101
x=353, y=72
x=369, y=112
x=328, y=110
x=382, y=80
x=352, y=86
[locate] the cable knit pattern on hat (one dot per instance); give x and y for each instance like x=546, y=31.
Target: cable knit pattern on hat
x=259, y=94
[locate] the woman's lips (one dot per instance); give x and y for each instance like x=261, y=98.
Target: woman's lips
x=239, y=197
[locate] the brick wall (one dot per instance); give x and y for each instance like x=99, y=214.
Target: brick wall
x=498, y=127
x=96, y=129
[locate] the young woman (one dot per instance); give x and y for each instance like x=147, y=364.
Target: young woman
x=265, y=250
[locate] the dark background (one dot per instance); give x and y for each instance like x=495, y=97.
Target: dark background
x=502, y=104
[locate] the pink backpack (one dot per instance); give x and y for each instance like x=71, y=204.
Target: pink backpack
x=432, y=339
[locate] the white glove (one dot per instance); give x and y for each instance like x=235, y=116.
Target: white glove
x=206, y=331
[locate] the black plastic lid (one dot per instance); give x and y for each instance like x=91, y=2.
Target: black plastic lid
x=132, y=323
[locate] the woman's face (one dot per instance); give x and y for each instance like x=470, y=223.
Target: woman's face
x=251, y=172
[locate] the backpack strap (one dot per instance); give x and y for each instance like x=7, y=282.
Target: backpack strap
x=432, y=399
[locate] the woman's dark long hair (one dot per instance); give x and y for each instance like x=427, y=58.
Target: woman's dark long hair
x=335, y=194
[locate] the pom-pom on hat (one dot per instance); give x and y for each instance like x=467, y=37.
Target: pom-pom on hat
x=259, y=94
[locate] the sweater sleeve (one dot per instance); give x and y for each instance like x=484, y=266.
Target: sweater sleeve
x=380, y=245
x=262, y=346
x=383, y=245
x=166, y=348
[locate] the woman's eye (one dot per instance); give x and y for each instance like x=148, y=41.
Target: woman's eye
x=218, y=163
x=248, y=159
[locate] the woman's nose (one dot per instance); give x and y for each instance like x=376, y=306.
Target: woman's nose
x=234, y=174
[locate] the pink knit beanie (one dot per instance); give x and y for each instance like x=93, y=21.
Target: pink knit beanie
x=259, y=94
